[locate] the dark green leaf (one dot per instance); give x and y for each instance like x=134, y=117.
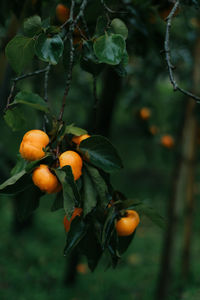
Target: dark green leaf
x=32, y=100
x=15, y=119
x=27, y=201
x=99, y=184
x=20, y=51
x=89, y=61
x=47, y=159
x=17, y=183
x=89, y=193
x=77, y=231
x=58, y=202
x=20, y=166
x=152, y=214
x=124, y=242
x=109, y=49
x=49, y=49
x=101, y=25
x=91, y=248
x=118, y=26
x=70, y=191
x=108, y=227
x=32, y=26
x=101, y=153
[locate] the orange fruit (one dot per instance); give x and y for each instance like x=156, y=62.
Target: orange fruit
x=67, y=223
x=78, y=139
x=167, y=141
x=82, y=268
x=153, y=129
x=73, y=159
x=62, y=13
x=45, y=180
x=127, y=225
x=33, y=142
x=145, y=113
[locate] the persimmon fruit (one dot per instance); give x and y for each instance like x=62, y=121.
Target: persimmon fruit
x=67, y=223
x=127, y=224
x=62, y=13
x=167, y=141
x=73, y=159
x=33, y=142
x=145, y=113
x=45, y=180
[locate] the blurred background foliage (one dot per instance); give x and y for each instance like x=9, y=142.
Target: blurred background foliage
x=31, y=263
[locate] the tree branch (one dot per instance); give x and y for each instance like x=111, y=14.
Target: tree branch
x=168, y=55
x=15, y=80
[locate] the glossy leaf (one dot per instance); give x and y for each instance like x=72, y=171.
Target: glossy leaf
x=89, y=61
x=100, y=152
x=17, y=183
x=49, y=49
x=101, y=25
x=77, y=231
x=119, y=27
x=99, y=184
x=31, y=99
x=89, y=193
x=109, y=49
x=58, y=202
x=108, y=227
x=32, y=26
x=27, y=202
x=15, y=119
x=19, y=52
x=70, y=191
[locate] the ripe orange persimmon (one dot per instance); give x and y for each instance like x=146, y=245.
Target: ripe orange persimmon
x=45, y=180
x=127, y=225
x=73, y=159
x=78, y=139
x=62, y=13
x=33, y=142
x=67, y=223
x=167, y=141
x=145, y=113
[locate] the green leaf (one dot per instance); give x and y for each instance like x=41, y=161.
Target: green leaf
x=20, y=166
x=89, y=61
x=30, y=166
x=108, y=227
x=77, y=231
x=101, y=25
x=20, y=51
x=75, y=130
x=100, y=152
x=124, y=242
x=26, y=202
x=17, y=183
x=99, y=184
x=71, y=195
x=118, y=26
x=58, y=202
x=109, y=49
x=91, y=248
x=49, y=49
x=31, y=99
x=89, y=193
x=32, y=26
x=15, y=119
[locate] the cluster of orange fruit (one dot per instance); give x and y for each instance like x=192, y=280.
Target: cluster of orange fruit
x=32, y=148
x=167, y=140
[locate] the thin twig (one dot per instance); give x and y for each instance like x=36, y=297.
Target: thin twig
x=168, y=55
x=96, y=100
x=15, y=80
x=46, y=78
x=71, y=60
x=85, y=27
x=73, y=22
